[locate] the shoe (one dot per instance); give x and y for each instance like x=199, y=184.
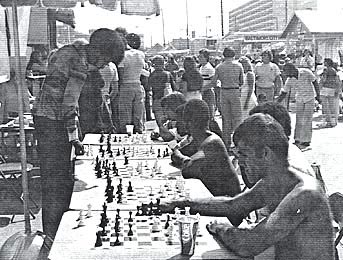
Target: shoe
x=296, y=142
x=304, y=146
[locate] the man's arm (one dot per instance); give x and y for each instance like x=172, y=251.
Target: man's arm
x=284, y=220
x=235, y=208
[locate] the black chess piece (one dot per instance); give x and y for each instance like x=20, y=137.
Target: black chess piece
x=126, y=160
x=157, y=208
x=124, y=151
x=111, y=153
x=118, y=214
x=117, y=226
x=167, y=222
x=118, y=152
x=99, y=173
x=158, y=153
x=117, y=242
x=108, y=147
x=104, y=207
x=119, y=198
x=97, y=164
x=130, y=218
x=129, y=188
x=98, y=241
x=102, y=137
x=150, y=210
x=115, y=139
x=167, y=151
x=139, y=211
x=130, y=233
x=100, y=148
x=110, y=195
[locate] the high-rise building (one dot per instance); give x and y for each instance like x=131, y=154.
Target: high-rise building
x=266, y=15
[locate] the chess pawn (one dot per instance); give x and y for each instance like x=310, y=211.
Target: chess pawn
x=156, y=225
x=81, y=223
x=187, y=211
x=89, y=211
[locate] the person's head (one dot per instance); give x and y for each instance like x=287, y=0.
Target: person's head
x=277, y=111
x=204, y=56
x=260, y=141
x=133, y=40
x=36, y=57
x=328, y=62
x=170, y=103
x=196, y=116
x=290, y=70
x=245, y=61
x=158, y=62
x=307, y=52
x=262, y=98
x=105, y=45
x=80, y=41
x=189, y=63
x=267, y=56
x=170, y=58
x=229, y=52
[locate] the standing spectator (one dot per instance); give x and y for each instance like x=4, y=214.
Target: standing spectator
x=172, y=66
x=307, y=89
x=307, y=60
x=131, y=92
x=192, y=79
x=55, y=117
x=110, y=89
x=230, y=74
x=248, y=97
x=207, y=72
x=161, y=83
x=268, y=79
x=331, y=88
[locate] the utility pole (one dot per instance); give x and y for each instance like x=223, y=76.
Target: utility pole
x=187, y=24
x=221, y=16
x=164, y=36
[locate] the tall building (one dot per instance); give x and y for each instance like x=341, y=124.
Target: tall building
x=266, y=15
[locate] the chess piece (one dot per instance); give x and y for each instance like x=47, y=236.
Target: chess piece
x=115, y=139
x=156, y=225
x=117, y=226
x=98, y=241
x=130, y=233
x=129, y=188
x=117, y=242
x=118, y=214
x=89, y=210
x=102, y=138
x=167, y=222
x=130, y=218
x=126, y=160
x=158, y=153
x=118, y=152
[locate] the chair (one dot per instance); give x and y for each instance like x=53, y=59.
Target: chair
x=11, y=171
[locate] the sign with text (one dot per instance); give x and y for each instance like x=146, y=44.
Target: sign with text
x=261, y=38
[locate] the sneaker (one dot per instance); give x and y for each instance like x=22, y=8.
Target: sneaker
x=305, y=146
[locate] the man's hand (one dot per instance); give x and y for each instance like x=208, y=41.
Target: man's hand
x=214, y=227
x=79, y=150
x=169, y=206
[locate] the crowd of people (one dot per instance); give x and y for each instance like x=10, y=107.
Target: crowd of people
x=103, y=84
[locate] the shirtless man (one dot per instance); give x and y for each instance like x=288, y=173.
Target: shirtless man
x=299, y=226
x=210, y=163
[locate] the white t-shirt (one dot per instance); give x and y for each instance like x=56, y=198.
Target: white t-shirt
x=266, y=74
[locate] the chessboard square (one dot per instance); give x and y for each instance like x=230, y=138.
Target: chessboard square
x=144, y=243
x=130, y=238
x=159, y=238
x=143, y=235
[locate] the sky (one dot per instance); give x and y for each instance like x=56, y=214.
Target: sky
x=203, y=16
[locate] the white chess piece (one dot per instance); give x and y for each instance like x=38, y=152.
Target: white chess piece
x=81, y=223
x=89, y=211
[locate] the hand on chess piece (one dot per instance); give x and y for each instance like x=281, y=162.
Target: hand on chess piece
x=214, y=227
x=79, y=150
x=169, y=206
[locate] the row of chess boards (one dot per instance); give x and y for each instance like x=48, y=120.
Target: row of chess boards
x=140, y=184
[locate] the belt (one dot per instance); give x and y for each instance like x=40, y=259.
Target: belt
x=230, y=88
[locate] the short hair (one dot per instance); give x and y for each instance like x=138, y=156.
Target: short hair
x=290, y=70
x=246, y=61
x=205, y=53
x=109, y=43
x=133, y=40
x=278, y=112
x=329, y=62
x=268, y=53
x=173, y=100
x=158, y=60
x=261, y=130
x=229, y=52
x=80, y=41
x=121, y=30
x=197, y=112
x=189, y=63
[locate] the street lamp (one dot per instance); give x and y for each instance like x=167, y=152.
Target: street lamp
x=207, y=17
x=187, y=24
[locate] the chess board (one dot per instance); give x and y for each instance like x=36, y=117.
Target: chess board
x=134, y=231
x=130, y=151
x=144, y=193
x=121, y=139
x=148, y=169
x=74, y=242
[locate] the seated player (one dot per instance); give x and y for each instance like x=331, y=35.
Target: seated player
x=210, y=163
x=296, y=158
x=299, y=226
